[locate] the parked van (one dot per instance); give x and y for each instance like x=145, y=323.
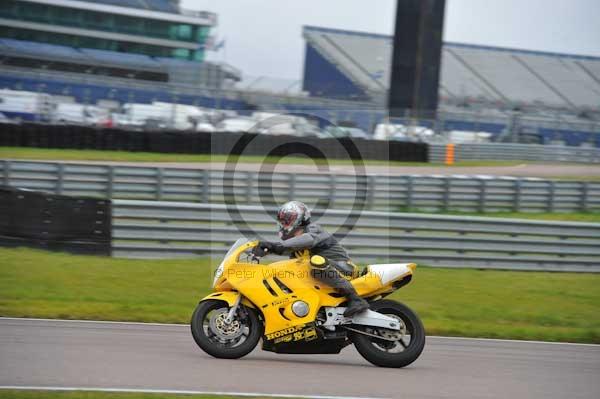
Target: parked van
x=25, y=105
x=139, y=115
x=182, y=116
x=70, y=113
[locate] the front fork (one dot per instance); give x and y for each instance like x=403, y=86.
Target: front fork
x=233, y=309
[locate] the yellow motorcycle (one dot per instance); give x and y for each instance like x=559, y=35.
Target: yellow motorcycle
x=295, y=313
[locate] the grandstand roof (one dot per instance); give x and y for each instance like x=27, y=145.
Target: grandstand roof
x=170, y=6
x=167, y=10
x=52, y=52
x=181, y=71
x=120, y=58
x=469, y=72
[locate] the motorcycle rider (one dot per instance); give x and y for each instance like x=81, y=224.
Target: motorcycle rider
x=297, y=233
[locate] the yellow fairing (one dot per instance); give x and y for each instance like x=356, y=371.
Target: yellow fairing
x=228, y=296
x=273, y=288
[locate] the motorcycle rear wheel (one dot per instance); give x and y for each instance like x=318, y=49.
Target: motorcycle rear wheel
x=381, y=352
x=221, y=340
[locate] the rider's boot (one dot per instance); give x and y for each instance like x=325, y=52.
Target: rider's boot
x=356, y=304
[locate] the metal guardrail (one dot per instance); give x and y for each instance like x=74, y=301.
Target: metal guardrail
x=371, y=192
x=519, y=152
x=152, y=229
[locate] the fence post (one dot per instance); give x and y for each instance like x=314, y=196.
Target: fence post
x=332, y=189
x=482, y=195
x=585, y=189
x=371, y=187
x=249, y=186
x=551, y=190
x=205, y=186
x=60, y=179
x=409, y=192
x=446, y=194
x=110, y=182
x=7, y=166
x=450, y=154
x=517, y=196
x=292, y=187
x=159, y=184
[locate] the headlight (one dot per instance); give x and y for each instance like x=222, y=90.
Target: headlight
x=300, y=308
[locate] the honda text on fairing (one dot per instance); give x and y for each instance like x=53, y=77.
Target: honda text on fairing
x=294, y=313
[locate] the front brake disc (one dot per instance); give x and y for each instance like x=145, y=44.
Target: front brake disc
x=222, y=329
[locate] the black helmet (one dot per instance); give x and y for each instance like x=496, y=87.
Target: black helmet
x=291, y=217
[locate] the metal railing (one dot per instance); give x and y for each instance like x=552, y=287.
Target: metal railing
x=151, y=229
x=520, y=152
x=369, y=192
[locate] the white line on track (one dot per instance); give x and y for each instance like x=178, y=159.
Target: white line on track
x=134, y=323
x=175, y=392
x=521, y=341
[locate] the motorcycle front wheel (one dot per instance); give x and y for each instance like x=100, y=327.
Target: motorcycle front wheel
x=393, y=348
x=215, y=336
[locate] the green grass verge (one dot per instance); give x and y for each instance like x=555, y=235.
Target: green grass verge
x=125, y=156
x=457, y=302
x=35, y=394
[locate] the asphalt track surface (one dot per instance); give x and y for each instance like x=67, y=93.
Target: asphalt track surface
x=47, y=353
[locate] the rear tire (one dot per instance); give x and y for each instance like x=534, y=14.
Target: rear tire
x=225, y=341
x=378, y=352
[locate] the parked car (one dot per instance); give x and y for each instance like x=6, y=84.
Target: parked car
x=238, y=124
x=342, y=131
x=399, y=132
x=461, y=136
x=125, y=121
x=78, y=114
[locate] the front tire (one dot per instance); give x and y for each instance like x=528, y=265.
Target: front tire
x=222, y=340
x=400, y=352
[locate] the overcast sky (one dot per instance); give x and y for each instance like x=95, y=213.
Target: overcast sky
x=264, y=37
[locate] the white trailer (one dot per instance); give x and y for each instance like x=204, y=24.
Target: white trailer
x=69, y=113
x=25, y=105
x=187, y=117
x=140, y=115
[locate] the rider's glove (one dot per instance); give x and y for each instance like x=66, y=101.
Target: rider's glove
x=259, y=251
x=271, y=247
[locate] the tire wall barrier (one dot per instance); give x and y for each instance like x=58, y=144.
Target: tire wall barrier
x=55, y=222
x=81, y=137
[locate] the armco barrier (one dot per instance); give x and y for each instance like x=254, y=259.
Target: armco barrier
x=371, y=192
x=151, y=229
x=518, y=152
x=55, y=222
x=80, y=137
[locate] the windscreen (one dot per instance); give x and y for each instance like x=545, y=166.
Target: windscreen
x=236, y=245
